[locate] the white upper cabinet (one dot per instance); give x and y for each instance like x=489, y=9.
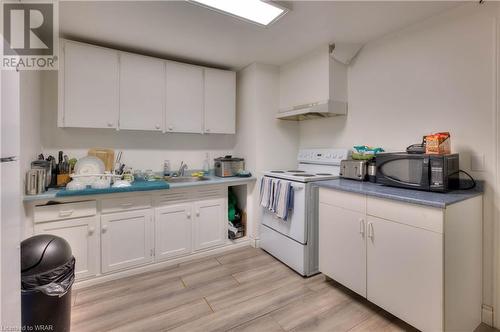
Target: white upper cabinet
x=89, y=84
x=184, y=111
x=142, y=92
x=105, y=88
x=220, y=101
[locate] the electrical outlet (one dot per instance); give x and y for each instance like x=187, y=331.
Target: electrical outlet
x=477, y=162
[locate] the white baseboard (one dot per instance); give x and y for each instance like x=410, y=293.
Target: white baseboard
x=160, y=265
x=487, y=315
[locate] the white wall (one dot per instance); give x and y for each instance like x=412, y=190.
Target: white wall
x=436, y=76
x=266, y=143
x=31, y=107
x=141, y=149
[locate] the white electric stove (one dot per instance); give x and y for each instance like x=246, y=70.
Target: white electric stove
x=295, y=241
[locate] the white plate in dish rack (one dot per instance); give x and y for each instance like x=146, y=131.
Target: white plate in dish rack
x=87, y=166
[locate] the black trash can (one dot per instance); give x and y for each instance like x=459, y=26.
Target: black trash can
x=47, y=274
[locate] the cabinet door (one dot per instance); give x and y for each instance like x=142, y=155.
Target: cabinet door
x=342, y=247
x=405, y=272
x=83, y=237
x=220, y=101
x=173, y=230
x=126, y=239
x=90, y=93
x=210, y=224
x=142, y=92
x=184, y=111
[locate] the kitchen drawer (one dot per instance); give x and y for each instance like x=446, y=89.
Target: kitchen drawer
x=125, y=203
x=64, y=211
x=424, y=217
x=342, y=199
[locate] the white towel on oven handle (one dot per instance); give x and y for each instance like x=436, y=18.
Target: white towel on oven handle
x=284, y=200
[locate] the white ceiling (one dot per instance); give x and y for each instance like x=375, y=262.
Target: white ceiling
x=184, y=31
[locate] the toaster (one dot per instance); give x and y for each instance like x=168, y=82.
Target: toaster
x=354, y=169
x=228, y=166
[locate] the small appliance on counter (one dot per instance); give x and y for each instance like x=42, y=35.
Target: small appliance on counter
x=361, y=165
x=354, y=169
x=429, y=172
x=228, y=166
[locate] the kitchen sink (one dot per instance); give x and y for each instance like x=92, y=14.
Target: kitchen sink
x=178, y=179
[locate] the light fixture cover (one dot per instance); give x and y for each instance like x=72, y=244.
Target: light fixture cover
x=255, y=11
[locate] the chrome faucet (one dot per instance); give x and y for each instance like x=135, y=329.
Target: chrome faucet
x=182, y=169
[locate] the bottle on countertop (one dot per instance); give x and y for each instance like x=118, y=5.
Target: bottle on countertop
x=206, y=164
x=166, y=168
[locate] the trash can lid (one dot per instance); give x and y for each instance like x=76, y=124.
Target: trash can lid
x=42, y=253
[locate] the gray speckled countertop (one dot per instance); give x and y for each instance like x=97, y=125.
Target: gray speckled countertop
x=434, y=199
x=213, y=180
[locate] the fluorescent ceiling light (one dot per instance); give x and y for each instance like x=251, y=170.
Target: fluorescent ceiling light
x=256, y=11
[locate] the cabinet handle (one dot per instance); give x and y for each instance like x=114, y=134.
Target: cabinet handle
x=370, y=230
x=197, y=213
x=207, y=130
x=188, y=215
x=110, y=124
x=170, y=128
x=91, y=230
x=362, y=227
x=66, y=213
x=104, y=228
x=157, y=126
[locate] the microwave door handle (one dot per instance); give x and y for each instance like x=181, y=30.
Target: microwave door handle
x=426, y=172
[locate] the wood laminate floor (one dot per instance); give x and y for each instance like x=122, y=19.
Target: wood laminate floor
x=242, y=290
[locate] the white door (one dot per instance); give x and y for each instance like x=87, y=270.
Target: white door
x=184, y=111
x=209, y=224
x=173, y=228
x=142, y=92
x=342, y=248
x=90, y=91
x=10, y=199
x=220, y=101
x=126, y=239
x=405, y=272
x=83, y=237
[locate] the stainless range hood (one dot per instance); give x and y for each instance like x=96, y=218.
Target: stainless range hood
x=315, y=85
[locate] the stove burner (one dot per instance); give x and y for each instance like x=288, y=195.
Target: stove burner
x=303, y=175
x=323, y=174
x=277, y=171
x=296, y=171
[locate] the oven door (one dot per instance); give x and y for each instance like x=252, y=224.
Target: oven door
x=295, y=227
x=403, y=170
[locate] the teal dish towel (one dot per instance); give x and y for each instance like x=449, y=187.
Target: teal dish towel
x=136, y=186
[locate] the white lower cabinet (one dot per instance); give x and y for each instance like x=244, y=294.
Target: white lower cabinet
x=82, y=235
x=405, y=272
x=111, y=235
x=126, y=239
x=342, y=239
x=173, y=228
x=393, y=254
x=209, y=224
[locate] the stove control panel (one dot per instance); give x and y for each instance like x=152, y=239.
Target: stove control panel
x=323, y=156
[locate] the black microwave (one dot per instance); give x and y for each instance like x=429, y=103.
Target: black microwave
x=418, y=171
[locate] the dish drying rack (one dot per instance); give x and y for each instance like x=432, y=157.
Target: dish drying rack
x=100, y=176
